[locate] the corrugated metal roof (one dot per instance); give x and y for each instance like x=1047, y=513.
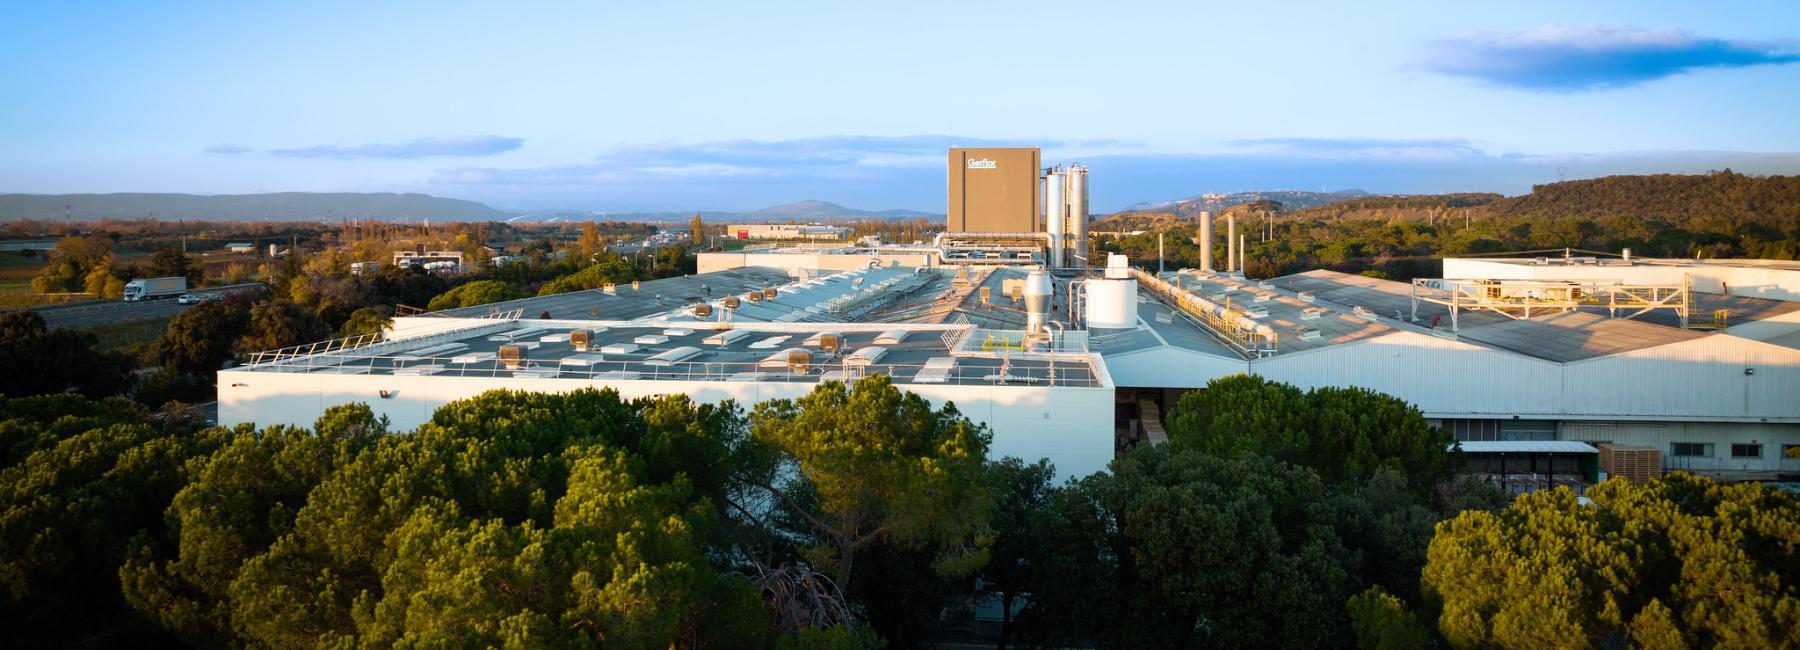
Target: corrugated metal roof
x=1527, y=447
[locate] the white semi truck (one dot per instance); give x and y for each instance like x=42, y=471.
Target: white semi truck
x=153, y=288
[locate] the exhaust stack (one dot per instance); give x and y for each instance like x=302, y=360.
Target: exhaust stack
x=1231, y=243
x=1206, y=242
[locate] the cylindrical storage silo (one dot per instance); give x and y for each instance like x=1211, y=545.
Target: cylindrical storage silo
x=1037, y=301
x=1078, y=214
x=1111, y=303
x=1055, y=216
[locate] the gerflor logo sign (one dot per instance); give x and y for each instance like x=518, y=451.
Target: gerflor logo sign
x=982, y=163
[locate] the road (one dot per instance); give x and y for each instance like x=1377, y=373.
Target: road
x=106, y=312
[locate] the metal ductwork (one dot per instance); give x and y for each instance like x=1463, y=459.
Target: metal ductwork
x=1037, y=301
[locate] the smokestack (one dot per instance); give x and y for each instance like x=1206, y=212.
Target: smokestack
x=1206, y=241
x=1241, y=254
x=1231, y=242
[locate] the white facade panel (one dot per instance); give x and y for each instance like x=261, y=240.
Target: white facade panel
x=1070, y=426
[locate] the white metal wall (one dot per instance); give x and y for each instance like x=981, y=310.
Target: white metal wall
x=1439, y=376
x=1073, y=427
x=1170, y=367
x=1702, y=378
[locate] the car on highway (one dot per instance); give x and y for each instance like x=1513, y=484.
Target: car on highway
x=197, y=298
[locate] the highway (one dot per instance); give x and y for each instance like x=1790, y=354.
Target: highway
x=106, y=312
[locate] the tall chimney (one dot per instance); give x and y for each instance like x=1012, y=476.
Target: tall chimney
x=1242, y=248
x=1231, y=242
x=1206, y=241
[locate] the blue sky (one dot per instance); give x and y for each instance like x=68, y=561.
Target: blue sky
x=704, y=105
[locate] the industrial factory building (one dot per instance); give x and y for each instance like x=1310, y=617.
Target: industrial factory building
x=1550, y=370
x=993, y=190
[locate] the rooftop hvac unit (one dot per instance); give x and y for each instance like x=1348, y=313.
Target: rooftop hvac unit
x=1257, y=312
x=1312, y=313
x=513, y=356
x=609, y=288
x=1263, y=297
x=1307, y=296
x=770, y=293
x=831, y=341
x=703, y=310
x=732, y=302
x=634, y=285
x=581, y=339
x=986, y=292
x=754, y=296
x=1309, y=334
x=793, y=359
x=1013, y=287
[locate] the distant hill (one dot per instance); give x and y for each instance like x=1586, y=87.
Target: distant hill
x=812, y=210
x=815, y=210
x=1148, y=216
x=283, y=206
x=1293, y=199
x=1674, y=199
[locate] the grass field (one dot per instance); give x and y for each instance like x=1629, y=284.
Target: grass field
x=118, y=335
x=16, y=272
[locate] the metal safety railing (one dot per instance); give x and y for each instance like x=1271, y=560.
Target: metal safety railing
x=1015, y=371
x=1234, y=326
x=341, y=345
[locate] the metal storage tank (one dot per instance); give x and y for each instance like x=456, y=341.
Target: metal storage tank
x=1111, y=303
x=1078, y=213
x=1055, y=215
x=1037, y=301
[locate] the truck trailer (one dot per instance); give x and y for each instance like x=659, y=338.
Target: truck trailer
x=153, y=288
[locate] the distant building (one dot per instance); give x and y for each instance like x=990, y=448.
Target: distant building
x=240, y=247
x=451, y=261
x=363, y=268
x=787, y=231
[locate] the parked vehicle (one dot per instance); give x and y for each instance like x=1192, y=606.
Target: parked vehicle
x=153, y=288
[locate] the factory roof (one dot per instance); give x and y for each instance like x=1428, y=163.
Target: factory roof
x=1306, y=311
x=1557, y=260
x=1560, y=337
x=672, y=351
x=1526, y=447
x=625, y=303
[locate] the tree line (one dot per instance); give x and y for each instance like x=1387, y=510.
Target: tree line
x=1718, y=215
x=854, y=516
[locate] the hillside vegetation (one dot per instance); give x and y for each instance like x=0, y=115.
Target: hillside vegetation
x=1718, y=215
